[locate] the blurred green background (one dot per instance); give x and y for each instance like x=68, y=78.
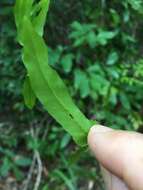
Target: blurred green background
x=96, y=47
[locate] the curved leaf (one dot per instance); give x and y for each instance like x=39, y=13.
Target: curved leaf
x=45, y=82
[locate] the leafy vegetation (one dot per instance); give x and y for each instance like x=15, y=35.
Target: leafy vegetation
x=45, y=83
x=96, y=47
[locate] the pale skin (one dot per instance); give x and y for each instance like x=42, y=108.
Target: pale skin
x=120, y=154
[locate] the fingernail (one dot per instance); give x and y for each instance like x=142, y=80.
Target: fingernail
x=100, y=129
x=98, y=136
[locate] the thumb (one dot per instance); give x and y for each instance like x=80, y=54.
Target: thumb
x=119, y=152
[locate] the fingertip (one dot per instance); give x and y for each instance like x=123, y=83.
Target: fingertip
x=96, y=132
x=120, y=152
x=104, y=143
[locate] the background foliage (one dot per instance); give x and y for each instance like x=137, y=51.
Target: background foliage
x=96, y=47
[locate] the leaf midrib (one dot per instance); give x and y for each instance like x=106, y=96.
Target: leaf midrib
x=52, y=91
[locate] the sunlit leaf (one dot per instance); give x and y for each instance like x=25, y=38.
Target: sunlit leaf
x=67, y=62
x=112, y=58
